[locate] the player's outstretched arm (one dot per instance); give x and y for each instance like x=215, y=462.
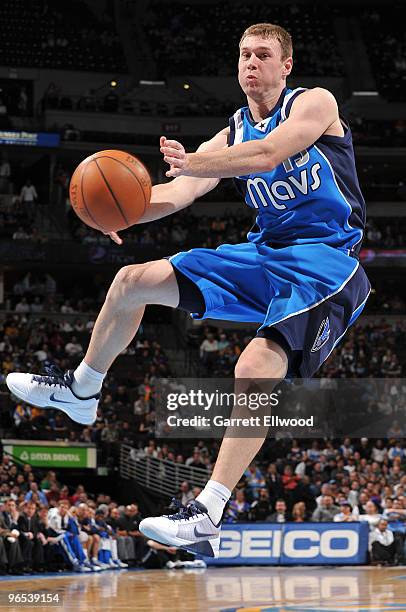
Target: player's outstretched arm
x=312, y=114
x=168, y=198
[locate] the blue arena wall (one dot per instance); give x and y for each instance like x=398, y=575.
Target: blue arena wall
x=293, y=544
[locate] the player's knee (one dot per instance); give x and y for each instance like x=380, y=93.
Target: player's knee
x=246, y=369
x=127, y=283
x=250, y=368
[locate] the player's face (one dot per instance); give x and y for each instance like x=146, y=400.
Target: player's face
x=260, y=66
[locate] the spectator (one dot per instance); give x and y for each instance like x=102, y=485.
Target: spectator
x=280, y=514
x=371, y=516
x=273, y=482
x=254, y=480
x=208, y=351
x=238, y=508
x=10, y=536
x=5, y=174
x=31, y=546
x=22, y=306
x=108, y=541
x=28, y=198
x=260, y=508
x=347, y=515
x=185, y=494
x=363, y=499
x=89, y=537
x=289, y=482
x=20, y=234
x=379, y=452
x=128, y=526
x=73, y=348
x=299, y=512
x=195, y=460
x=326, y=511
x=396, y=450
x=381, y=544
x=125, y=543
x=65, y=531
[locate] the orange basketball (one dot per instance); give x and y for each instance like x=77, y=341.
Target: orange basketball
x=110, y=190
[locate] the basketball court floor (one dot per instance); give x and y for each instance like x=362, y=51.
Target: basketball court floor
x=253, y=589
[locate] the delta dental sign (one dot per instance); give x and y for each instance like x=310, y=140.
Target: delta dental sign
x=57, y=454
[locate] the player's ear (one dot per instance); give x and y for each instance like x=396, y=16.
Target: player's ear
x=287, y=66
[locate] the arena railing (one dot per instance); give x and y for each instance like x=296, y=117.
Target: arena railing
x=160, y=476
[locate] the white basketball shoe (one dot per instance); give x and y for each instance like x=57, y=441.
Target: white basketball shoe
x=53, y=390
x=190, y=528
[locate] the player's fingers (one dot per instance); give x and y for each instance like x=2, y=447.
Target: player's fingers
x=162, y=141
x=115, y=237
x=174, y=161
x=173, y=172
x=172, y=152
x=174, y=143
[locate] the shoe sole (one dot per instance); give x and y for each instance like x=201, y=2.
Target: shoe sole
x=24, y=398
x=207, y=548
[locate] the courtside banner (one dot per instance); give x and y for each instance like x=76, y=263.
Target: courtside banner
x=30, y=139
x=293, y=544
x=52, y=454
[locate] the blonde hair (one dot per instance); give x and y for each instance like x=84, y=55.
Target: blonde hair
x=270, y=30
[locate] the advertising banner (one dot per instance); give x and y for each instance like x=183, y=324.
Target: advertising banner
x=52, y=455
x=31, y=139
x=293, y=544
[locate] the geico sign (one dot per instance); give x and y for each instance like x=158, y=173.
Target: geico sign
x=269, y=543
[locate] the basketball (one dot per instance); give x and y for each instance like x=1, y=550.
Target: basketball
x=110, y=190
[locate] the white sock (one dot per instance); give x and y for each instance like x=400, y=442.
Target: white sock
x=214, y=496
x=86, y=381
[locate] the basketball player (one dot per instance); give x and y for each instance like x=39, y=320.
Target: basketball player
x=299, y=276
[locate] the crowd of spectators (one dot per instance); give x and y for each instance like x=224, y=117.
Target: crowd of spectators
x=379, y=133
x=340, y=481
x=386, y=44
x=183, y=230
x=126, y=411
x=45, y=525
x=186, y=230
x=44, y=326
x=64, y=36
x=301, y=481
x=382, y=233
x=164, y=101
x=374, y=349
x=189, y=37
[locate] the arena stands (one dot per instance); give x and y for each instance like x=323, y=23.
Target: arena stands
x=203, y=51
x=45, y=525
x=385, y=42
x=67, y=36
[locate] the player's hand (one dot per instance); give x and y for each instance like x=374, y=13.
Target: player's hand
x=175, y=155
x=114, y=237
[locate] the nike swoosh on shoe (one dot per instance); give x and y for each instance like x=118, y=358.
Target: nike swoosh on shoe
x=53, y=399
x=200, y=534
